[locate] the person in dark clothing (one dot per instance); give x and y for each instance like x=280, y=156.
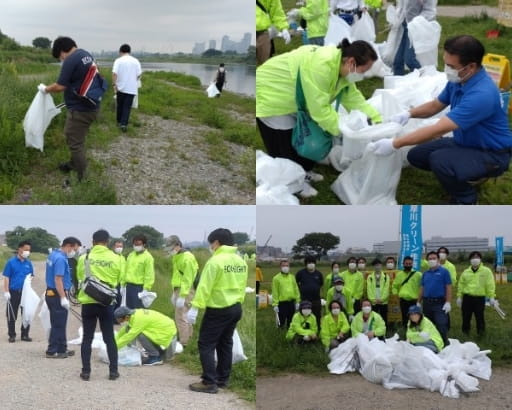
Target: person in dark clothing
x=310, y=282
x=220, y=78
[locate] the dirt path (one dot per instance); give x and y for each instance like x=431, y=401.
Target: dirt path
x=168, y=163
x=461, y=11
x=353, y=392
x=30, y=381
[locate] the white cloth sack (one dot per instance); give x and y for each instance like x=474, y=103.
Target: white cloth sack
x=44, y=316
x=424, y=36
x=212, y=90
x=338, y=30
x=38, y=117
x=147, y=298
x=29, y=301
x=364, y=29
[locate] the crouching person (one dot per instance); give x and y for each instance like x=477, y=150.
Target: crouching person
x=422, y=332
x=369, y=323
x=153, y=330
x=335, y=328
x=303, y=328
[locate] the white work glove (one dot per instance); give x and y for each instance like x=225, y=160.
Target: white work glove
x=180, y=302
x=64, y=302
x=192, y=315
x=276, y=309
x=323, y=302
x=418, y=304
x=447, y=307
x=7, y=296
x=297, y=305
x=401, y=118
x=425, y=335
x=173, y=299
x=383, y=147
x=307, y=338
x=294, y=14
x=42, y=88
x=286, y=36
x=493, y=302
x=459, y=302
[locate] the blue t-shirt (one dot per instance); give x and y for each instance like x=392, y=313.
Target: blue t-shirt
x=476, y=108
x=57, y=265
x=72, y=74
x=17, y=270
x=434, y=282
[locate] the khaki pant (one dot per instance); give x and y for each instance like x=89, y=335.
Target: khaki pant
x=185, y=329
x=75, y=130
x=263, y=47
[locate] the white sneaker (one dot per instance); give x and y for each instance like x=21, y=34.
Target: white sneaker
x=313, y=177
x=308, y=191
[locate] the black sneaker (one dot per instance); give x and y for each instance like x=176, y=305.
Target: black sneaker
x=204, y=388
x=113, y=375
x=85, y=376
x=65, y=167
x=56, y=355
x=70, y=353
x=12, y=339
x=26, y=338
x=222, y=385
x=124, y=128
x=152, y=361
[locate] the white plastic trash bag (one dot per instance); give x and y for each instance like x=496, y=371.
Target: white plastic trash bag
x=279, y=171
x=238, y=349
x=29, y=301
x=212, y=90
x=338, y=30
x=147, y=298
x=424, y=36
x=38, y=117
x=277, y=195
x=364, y=29
x=44, y=316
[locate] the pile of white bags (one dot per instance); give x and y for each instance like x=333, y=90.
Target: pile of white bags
x=400, y=365
x=38, y=117
x=277, y=179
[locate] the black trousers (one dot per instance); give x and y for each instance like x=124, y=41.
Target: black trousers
x=473, y=305
x=382, y=310
x=286, y=312
x=124, y=107
x=433, y=310
x=91, y=314
x=12, y=314
x=257, y=287
x=278, y=143
x=216, y=335
x=132, y=298
x=57, y=342
x=357, y=306
x=404, y=309
x=316, y=309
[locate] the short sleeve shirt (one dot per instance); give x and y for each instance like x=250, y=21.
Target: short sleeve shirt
x=476, y=108
x=434, y=282
x=57, y=265
x=72, y=74
x=17, y=270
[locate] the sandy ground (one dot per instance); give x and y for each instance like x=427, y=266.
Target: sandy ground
x=352, y=391
x=30, y=381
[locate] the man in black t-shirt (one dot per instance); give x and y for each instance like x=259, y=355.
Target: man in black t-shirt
x=310, y=282
x=81, y=113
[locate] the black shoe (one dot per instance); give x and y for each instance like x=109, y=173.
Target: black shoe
x=124, y=128
x=12, y=339
x=26, y=338
x=56, y=355
x=70, y=353
x=204, y=388
x=65, y=167
x=222, y=385
x=85, y=376
x=113, y=375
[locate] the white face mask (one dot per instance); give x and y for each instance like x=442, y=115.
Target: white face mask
x=211, y=249
x=432, y=263
x=377, y=268
x=354, y=76
x=452, y=75
x=352, y=266
x=310, y=266
x=361, y=266
x=390, y=265
x=119, y=251
x=366, y=309
x=221, y=69
x=71, y=254
x=174, y=252
x=306, y=312
x=442, y=256
x=336, y=311
x=335, y=270
x=25, y=254
x=475, y=262
x=138, y=248
x=285, y=269
x=339, y=288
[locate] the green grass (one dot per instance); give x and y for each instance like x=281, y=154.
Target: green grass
x=275, y=355
x=243, y=378
x=417, y=186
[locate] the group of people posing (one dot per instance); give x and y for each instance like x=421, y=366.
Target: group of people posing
x=356, y=299
x=220, y=291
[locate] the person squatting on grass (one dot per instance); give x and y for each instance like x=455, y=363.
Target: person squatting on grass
x=335, y=327
x=220, y=292
x=285, y=295
x=326, y=73
x=422, y=332
x=81, y=113
x=304, y=327
x=368, y=323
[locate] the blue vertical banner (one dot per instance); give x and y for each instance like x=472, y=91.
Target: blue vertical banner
x=499, y=251
x=411, y=241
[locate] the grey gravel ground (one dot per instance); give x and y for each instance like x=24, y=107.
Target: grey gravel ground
x=30, y=381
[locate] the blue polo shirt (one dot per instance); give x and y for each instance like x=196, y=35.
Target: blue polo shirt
x=57, y=265
x=475, y=107
x=434, y=282
x=17, y=270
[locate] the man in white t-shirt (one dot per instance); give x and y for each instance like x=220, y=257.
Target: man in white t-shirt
x=125, y=75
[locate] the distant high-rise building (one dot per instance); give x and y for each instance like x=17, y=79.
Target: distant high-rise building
x=198, y=48
x=212, y=45
x=245, y=43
